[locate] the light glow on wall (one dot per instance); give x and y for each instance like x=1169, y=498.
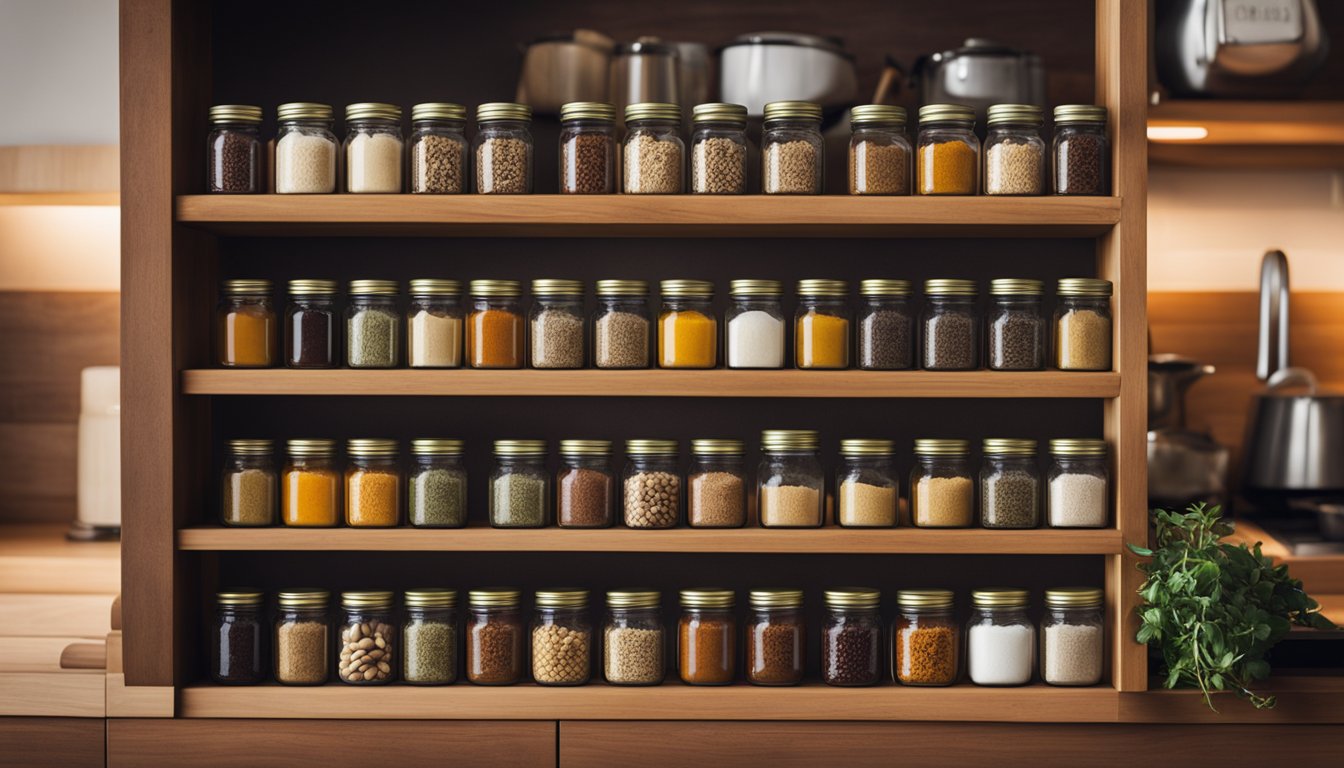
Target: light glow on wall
x=1177, y=133
x=60, y=248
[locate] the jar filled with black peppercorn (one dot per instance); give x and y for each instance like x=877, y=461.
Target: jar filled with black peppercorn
x=1016, y=327
x=587, y=148
x=951, y=328
x=310, y=324
x=1010, y=484
x=886, y=331
x=851, y=639
x=1082, y=151
x=234, y=149
x=236, y=638
x=775, y=637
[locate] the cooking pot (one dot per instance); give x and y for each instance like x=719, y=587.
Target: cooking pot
x=561, y=68
x=762, y=67
x=979, y=74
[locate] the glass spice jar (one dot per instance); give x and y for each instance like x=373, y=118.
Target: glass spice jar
x=633, y=639
x=949, y=151
x=886, y=326
x=367, y=652
x=792, y=149
x=495, y=325
x=1079, y=484
x=372, y=484
x=621, y=325
x=503, y=149
x=557, y=324
x=951, y=327
x=821, y=325
x=302, y=637
x=1083, y=325
x=707, y=637
x=756, y=325
x=719, y=149
x=305, y=149
x=790, y=484
x=520, y=493
x=434, y=324
x=688, y=334
x=438, y=149
x=866, y=485
x=234, y=150
x=653, y=149
x=584, y=486
x=373, y=147
x=942, y=493
x=1010, y=484
x=851, y=638
x=1000, y=639
x=249, y=487
x=562, y=638
x=236, y=638
x=429, y=637
x=1014, y=150
x=245, y=322
x=926, y=640
x=879, y=151
x=716, y=485
x=652, y=484
x=776, y=637
x=1082, y=151
x=310, y=324
x=437, y=485
x=372, y=325
x=494, y=637
x=1072, y=636
x=1015, y=326
x=311, y=485
x=587, y=148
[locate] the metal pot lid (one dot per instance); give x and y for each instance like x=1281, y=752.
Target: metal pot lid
x=585, y=37
x=646, y=46
x=981, y=46
x=832, y=44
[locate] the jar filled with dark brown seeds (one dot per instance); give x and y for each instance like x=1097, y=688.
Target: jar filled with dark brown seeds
x=438, y=149
x=886, y=326
x=950, y=326
x=1082, y=151
x=1010, y=484
x=1015, y=328
x=587, y=148
x=233, y=149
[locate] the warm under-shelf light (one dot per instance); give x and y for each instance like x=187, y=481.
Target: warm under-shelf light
x=1177, y=133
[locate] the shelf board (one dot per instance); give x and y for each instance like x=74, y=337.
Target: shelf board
x=651, y=383
x=670, y=701
x=648, y=216
x=1260, y=123
x=831, y=540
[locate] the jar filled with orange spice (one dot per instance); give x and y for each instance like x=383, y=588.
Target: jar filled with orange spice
x=688, y=334
x=245, y=325
x=926, y=639
x=372, y=484
x=311, y=485
x=495, y=325
x=707, y=637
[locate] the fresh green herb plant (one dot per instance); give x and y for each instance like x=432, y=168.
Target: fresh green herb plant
x=1214, y=609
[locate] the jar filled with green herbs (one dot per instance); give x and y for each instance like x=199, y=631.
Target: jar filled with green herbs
x=429, y=637
x=437, y=484
x=520, y=491
x=373, y=325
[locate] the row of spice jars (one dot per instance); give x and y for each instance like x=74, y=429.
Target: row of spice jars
x=493, y=332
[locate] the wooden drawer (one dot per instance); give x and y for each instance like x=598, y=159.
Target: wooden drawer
x=52, y=742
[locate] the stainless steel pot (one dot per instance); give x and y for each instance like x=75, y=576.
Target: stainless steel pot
x=558, y=69
x=979, y=74
x=762, y=67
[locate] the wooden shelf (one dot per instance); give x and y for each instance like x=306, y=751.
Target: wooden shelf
x=651, y=383
x=739, y=540
x=649, y=216
x=1270, y=123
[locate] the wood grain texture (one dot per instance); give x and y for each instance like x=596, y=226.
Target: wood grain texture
x=39, y=559
x=1315, y=123
x=29, y=615
x=36, y=654
x=137, y=701
x=52, y=694
x=53, y=742
x=1317, y=700
x=38, y=472
x=38, y=168
x=1320, y=574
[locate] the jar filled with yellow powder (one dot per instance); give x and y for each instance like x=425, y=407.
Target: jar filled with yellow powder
x=249, y=484
x=948, y=151
x=790, y=482
x=495, y=325
x=821, y=325
x=942, y=492
x=245, y=325
x=372, y=484
x=688, y=333
x=1083, y=325
x=865, y=485
x=311, y=485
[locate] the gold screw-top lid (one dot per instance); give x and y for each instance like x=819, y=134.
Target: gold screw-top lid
x=941, y=447
x=853, y=597
x=924, y=598
x=251, y=447
x=719, y=112
x=503, y=110
x=1003, y=446
x=1000, y=597
x=302, y=598
x=235, y=113
x=588, y=110
x=372, y=110
x=365, y=447
x=313, y=287
x=247, y=287
x=1079, y=113
x=1073, y=597
x=311, y=447
x=585, y=447
x=877, y=114
x=755, y=288
x=792, y=110
x=562, y=598
x=373, y=287
x=775, y=598
x=633, y=598
x=1012, y=286
x=503, y=288
x=814, y=287
x=622, y=288
x=866, y=447
x=304, y=110
x=946, y=113
x=645, y=447
x=439, y=110
x=520, y=447
x=1071, y=446
x=711, y=597
x=551, y=287
x=884, y=287
x=789, y=440
x=242, y=597
x=367, y=598
x=717, y=447
x=430, y=597
x=436, y=446
x=652, y=110
x=702, y=288
x=1020, y=114
x=430, y=286
x=1084, y=286
x=949, y=287
x=494, y=597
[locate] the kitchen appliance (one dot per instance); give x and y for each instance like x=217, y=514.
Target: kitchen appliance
x=1184, y=465
x=761, y=67
x=1242, y=48
x=692, y=76
x=99, y=461
x=645, y=70
x=978, y=74
x=561, y=68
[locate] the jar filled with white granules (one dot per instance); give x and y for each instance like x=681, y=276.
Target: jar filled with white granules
x=1014, y=151
x=755, y=324
x=1001, y=640
x=373, y=147
x=305, y=150
x=1079, y=494
x=792, y=149
x=1072, y=636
